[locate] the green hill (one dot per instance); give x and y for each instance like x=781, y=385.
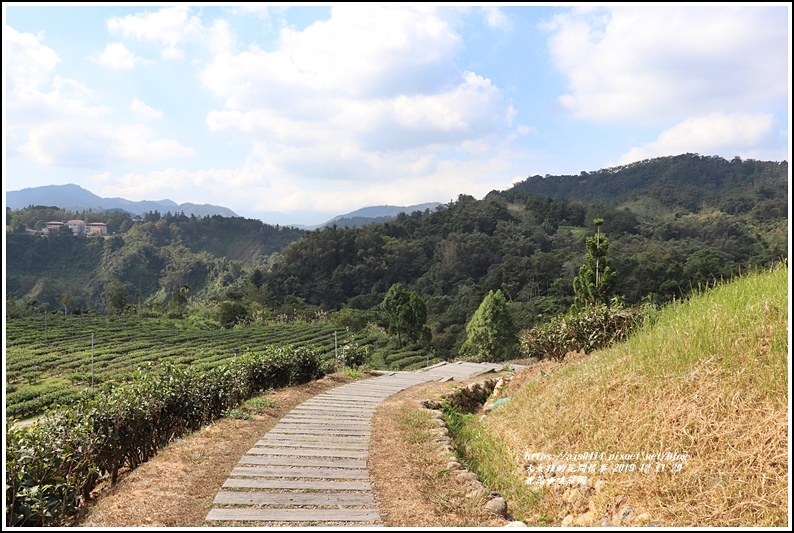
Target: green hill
x=673, y=224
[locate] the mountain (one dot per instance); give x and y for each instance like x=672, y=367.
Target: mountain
x=674, y=224
x=374, y=214
x=685, y=181
x=75, y=198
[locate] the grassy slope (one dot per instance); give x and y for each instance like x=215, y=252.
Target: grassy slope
x=708, y=379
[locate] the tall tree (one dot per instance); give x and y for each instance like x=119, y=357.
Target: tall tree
x=596, y=279
x=116, y=295
x=406, y=314
x=491, y=333
x=396, y=298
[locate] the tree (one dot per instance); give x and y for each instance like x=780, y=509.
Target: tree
x=414, y=316
x=231, y=313
x=406, y=314
x=491, y=333
x=66, y=301
x=596, y=280
x=179, y=298
x=116, y=295
x=396, y=298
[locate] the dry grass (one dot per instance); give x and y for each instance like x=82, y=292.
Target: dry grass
x=726, y=407
x=409, y=471
x=176, y=487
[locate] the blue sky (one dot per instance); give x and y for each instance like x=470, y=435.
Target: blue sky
x=295, y=114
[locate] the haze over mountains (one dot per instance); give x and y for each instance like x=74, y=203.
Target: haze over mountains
x=75, y=198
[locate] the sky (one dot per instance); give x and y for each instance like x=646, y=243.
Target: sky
x=294, y=113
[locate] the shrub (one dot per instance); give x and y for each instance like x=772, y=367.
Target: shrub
x=52, y=466
x=590, y=329
x=352, y=355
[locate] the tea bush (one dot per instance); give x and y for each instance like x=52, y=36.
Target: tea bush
x=52, y=466
x=590, y=329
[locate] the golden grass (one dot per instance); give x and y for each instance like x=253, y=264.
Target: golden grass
x=709, y=380
x=409, y=471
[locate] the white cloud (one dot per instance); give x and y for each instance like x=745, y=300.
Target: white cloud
x=117, y=56
x=253, y=189
x=221, y=39
x=646, y=63
x=34, y=92
x=728, y=134
x=28, y=63
x=495, y=18
x=258, y=10
x=333, y=101
x=96, y=145
x=368, y=52
x=145, y=111
x=55, y=121
x=168, y=27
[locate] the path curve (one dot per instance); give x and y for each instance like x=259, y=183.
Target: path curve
x=311, y=468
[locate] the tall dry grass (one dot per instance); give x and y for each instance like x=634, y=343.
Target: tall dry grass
x=709, y=379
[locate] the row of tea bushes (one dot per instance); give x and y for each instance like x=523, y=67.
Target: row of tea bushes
x=52, y=466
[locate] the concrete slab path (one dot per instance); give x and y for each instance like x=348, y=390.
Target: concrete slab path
x=311, y=468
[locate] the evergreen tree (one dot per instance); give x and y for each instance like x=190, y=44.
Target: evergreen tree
x=491, y=333
x=596, y=280
x=406, y=314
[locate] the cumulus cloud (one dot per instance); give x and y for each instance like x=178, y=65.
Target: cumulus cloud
x=168, y=28
x=54, y=121
x=117, y=56
x=253, y=188
x=334, y=100
x=144, y=110
x=363, y=52
x=495, y=18
x=34, y=92
x=29, y=64
x=716, y=133
x=97, y=145
x=648, y=63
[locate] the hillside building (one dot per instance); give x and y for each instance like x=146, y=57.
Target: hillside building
x=78, y=227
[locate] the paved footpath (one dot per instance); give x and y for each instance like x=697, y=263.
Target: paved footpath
x=311, y=468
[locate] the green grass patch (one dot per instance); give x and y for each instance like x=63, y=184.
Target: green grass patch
x=260, y=403
x=236, y=413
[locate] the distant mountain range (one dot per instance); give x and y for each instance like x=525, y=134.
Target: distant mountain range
x=370, y=215
x=75, y=198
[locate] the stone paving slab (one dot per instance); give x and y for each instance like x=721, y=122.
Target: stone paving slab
x=319, y=449
x=336, y=462
x=304, y=443
x=295, y=498
x=303, y=473
x=293, y=484
x=295, y=515
x=302, y=452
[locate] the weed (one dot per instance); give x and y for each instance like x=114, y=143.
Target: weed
x=236, y=413
x=355, y=374
x=260, y=403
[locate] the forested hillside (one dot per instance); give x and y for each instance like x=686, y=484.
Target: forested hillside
x=672, y=223
x=152, y=257
x=663, y=243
